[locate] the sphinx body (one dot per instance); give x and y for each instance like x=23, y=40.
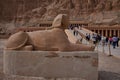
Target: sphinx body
x=46, y=40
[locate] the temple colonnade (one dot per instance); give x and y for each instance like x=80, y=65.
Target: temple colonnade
x=107, y=31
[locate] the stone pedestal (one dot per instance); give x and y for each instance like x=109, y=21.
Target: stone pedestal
x=57, y=65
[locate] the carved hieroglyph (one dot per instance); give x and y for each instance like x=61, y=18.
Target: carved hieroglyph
x=54, y=39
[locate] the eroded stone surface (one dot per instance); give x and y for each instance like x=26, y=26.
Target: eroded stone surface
x=52, y=64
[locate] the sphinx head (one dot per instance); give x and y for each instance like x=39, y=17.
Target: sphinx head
x=61, y=21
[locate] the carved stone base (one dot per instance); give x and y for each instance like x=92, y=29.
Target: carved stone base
x=53, y=65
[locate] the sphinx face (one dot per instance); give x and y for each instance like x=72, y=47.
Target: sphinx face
x=61, y=21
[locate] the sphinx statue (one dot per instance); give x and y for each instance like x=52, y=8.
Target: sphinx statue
x=54, y=39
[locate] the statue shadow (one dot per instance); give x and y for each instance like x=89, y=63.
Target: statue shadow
x=104, y=75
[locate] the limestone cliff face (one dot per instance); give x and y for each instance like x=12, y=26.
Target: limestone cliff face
x=9, y=9
x=24, y=11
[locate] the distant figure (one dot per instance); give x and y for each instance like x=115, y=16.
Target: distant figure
x=118, y=42
x=106, y=41
x=94, y=38
x=99, y=37
x=88, y=36
x=103, y=40
x=114, y=39
x=75, y=32
x=71, y=27
x=110, y=40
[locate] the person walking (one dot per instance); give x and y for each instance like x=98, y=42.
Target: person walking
x=118, y=41
x=114, y=39
x=75, y=32
x=110, y=40
x=106, y=41
x=103, y=40
x=94, y=38
x=99, y=38
x=87, y=36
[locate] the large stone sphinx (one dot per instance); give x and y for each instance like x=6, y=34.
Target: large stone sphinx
x=54, y=39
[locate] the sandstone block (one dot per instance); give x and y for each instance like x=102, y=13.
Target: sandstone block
x=48, y=64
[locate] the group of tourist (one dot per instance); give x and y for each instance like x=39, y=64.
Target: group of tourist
x=94, y=37
x=75, y=32
x=114, y=41
x=97, y=38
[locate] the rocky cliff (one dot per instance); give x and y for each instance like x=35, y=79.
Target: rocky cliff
x=46, y=9
x=23, y=12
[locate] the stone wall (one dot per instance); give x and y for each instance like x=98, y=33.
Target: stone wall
x=46, y=64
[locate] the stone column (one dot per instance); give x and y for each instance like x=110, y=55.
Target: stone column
x=110, y=32
x=102, y=32
x=106, y=33
x=98, y=31
x=114, y=32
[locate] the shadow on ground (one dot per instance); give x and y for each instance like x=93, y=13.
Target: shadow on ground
x=103, y=75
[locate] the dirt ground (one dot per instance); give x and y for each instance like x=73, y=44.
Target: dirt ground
x=109, y=67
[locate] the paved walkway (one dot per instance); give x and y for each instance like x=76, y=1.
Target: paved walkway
x=114, y=52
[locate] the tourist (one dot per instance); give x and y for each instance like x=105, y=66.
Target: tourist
x=106, y=41
x=103, y=40
x=118, y=41
x=114, y=39
x=94, y=38
x=71, y=27
x=110, y=40
x=98, y=38
x=75, y=31
x=87, y=36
